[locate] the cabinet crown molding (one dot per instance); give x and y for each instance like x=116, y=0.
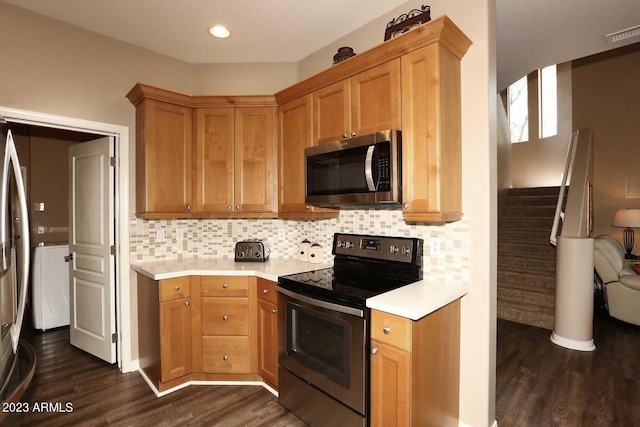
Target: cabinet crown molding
x=141, y=91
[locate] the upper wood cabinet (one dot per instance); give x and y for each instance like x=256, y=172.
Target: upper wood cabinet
x=365, y=103
x=235, y=160
x=295, y=124
x=204, y=157
x=411, y=83
x=164, y=167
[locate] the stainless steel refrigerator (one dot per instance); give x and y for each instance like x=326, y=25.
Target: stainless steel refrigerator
x=17, y=361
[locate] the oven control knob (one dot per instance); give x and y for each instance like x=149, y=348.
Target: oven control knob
x=393, y=249
x=348, y=245
x=340, y=244
x=405, y=251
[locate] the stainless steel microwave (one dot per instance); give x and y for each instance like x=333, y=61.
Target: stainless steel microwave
x=364, y=170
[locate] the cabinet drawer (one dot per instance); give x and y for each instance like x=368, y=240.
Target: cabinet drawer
x=225, y=316
x=225, y=355
x=225, y=286
x=391, y=329
x=267, y=291
x=171, y=289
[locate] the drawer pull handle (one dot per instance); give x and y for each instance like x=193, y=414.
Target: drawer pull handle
x=265, y=290
x=374, y=350
x=274, y=311
x=225, y=357
x=225, y=317
x=386, y=330
x=186, y=303
x=225, y=286
x=177, y=288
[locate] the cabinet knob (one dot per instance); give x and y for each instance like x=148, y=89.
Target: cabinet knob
x=177, y=288
x=353, y=133
x=265, y=290
x=274, y=311
x=374, y=350
x=345, y=135
x=308, y=207
x=225, y=357
x=386, y=330
x=237, y=208
x=228, y=208
x=225, y=317
x=189, y=207
x=405, y=206
x=224, y=285
x=186, y=303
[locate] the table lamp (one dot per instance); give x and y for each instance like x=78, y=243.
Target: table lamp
x=627, y=219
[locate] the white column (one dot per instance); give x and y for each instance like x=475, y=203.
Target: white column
x=573, y=323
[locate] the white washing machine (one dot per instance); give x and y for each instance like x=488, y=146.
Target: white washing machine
x=50, y=292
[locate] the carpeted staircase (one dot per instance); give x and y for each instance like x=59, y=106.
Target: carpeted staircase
x=526, y=259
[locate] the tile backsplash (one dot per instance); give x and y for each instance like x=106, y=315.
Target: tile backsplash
x=216, y=238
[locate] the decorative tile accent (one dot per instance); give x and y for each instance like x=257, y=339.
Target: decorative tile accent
x=217, y=238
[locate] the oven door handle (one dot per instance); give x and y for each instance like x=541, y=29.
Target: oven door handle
x=322, y=304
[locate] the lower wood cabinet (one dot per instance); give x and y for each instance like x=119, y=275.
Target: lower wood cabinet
x=207, y=328
x=415, y=369
x=268, y=332
x=164, y=330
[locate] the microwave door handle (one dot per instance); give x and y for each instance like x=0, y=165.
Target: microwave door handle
x=368, y=168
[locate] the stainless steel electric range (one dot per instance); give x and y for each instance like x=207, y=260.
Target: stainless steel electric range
x=323, y=323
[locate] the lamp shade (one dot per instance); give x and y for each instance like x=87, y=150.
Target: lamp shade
x=626, y=218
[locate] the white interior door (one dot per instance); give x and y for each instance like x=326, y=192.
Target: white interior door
x=91, y=235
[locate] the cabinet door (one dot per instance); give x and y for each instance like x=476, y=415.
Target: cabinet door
x=165, y=156
x=295, y=125
x=390, y=382
x=175, y=338
x=214, y=159
x=332, y=112
x=255, y=161
x=268, y=341
x=375, y=103
x=431, y=141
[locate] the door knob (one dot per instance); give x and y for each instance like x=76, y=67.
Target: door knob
x=68, y=258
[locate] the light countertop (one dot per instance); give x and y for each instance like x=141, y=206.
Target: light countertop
x=269, y=270
x=412, y=301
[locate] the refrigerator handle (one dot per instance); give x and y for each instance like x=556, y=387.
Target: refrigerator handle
x=24, y=246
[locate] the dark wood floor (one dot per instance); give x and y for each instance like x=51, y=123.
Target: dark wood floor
x=101, y=395
x=538, y=384
x=541, y=384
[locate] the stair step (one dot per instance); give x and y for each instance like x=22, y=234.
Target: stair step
x=529, y=211
x=524, y=235
x=525, y=222
x=517, y=296
x=526, y=279
x=533, y=201
x=543, y=249
x=541, y=317
x=535, y=191
x=532, y=263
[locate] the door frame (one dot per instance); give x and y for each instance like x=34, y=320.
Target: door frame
x=124, y=319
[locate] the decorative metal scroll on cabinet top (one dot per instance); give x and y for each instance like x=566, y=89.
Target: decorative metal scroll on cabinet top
x=407, y=21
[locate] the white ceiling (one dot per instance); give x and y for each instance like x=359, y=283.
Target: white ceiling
x=530, y=33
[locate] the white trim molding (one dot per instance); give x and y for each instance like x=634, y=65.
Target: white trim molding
x=572, y=344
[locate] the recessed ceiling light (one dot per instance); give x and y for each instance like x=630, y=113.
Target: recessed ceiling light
x=219, y=31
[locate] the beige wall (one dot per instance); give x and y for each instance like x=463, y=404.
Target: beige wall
x=606, y=98
x=239, y=79
x=504, y=148
x=540, y=162
x=477, y=21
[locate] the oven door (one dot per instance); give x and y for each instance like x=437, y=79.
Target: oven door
x=324, y=344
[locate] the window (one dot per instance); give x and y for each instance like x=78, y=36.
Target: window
x=519, y=110
x=548, y=101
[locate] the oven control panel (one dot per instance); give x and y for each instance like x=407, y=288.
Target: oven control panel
x=403, y=249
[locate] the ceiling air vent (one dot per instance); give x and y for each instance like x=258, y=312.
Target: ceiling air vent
x=624, y=34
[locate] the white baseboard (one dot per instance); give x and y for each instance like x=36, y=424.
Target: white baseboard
x=572, y=344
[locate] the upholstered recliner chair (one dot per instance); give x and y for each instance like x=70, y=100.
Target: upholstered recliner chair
x=621, y=283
